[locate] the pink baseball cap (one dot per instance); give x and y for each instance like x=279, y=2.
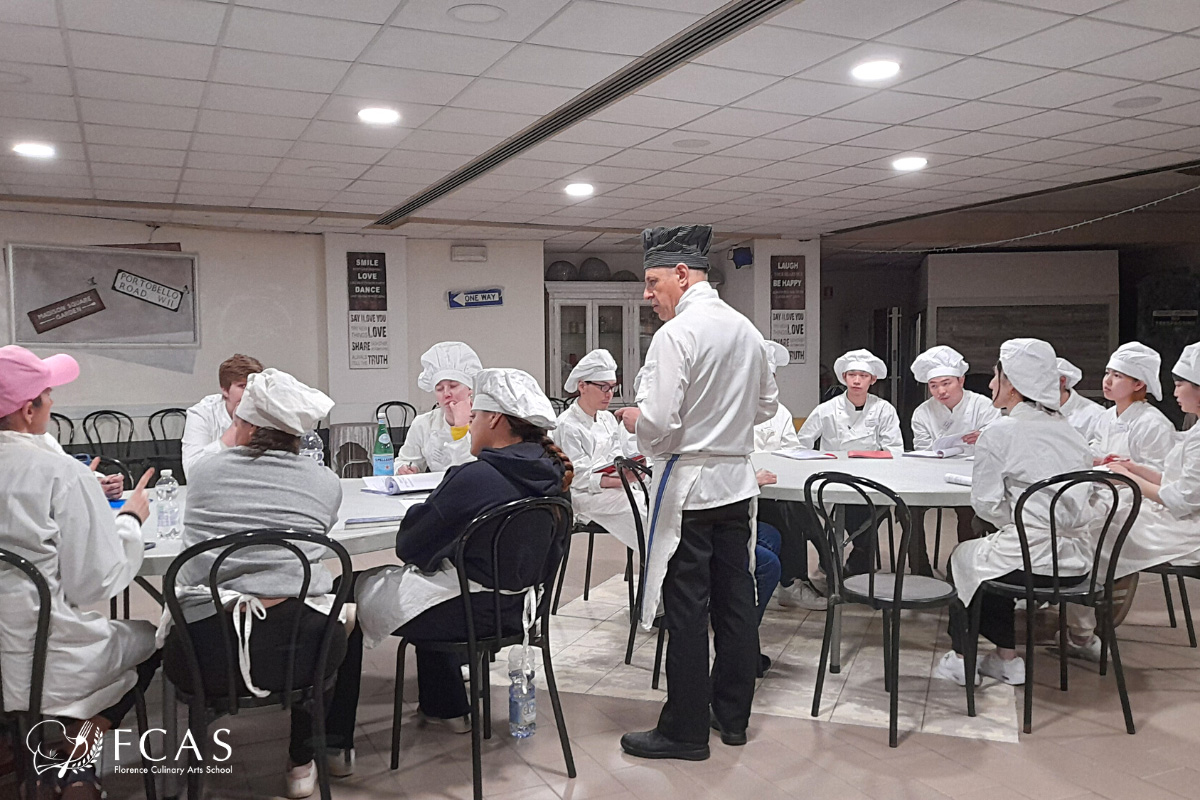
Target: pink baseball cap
x=24, y=376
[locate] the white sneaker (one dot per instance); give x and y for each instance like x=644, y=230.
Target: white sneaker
x=800, y=595
x=1011, y=671
x=341, y=763
x=302, y=780
x=1090, y=651
x=953, y=668
x=453, y=724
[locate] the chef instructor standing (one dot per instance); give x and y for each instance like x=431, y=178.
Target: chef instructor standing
x=703, y=388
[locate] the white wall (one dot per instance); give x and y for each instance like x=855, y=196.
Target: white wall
x=262, y=294
x=511, y=335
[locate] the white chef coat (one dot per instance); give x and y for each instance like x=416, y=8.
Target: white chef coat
x=1012, y=454
x=592, y=444
x=776, y=433
x=431, y=445
x=206, y=422
x=1083, y=413
x=704, y=387
x=841, y=427
x=1142, y=434
x=932, y=420
x=55, y=514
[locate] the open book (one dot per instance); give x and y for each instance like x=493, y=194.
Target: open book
x=403, y=484
x=944, y=447
x=800, y=454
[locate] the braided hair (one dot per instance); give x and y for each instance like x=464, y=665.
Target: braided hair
x=528, y=432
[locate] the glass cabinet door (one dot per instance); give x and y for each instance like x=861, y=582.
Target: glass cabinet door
x=648, y=323
x=572, y=337
x=610, y=335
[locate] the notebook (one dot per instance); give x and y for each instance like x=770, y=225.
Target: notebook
x=402, y=484
x=870, y=454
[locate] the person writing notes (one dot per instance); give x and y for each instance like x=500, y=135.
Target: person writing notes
x=1133, y=429
x=209, y=425
x=1082, y=413
x=440, y=439
x=704, y=387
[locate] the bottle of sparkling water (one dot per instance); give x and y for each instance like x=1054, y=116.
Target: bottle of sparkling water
x=312, y=447
x=167, y=493
x=383, y=459
x=522, y=697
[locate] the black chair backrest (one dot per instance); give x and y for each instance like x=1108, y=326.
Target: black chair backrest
x=38, y=660
x=229, y=545
x=64, y=428
x=524, y=542
x=109, y=432
x=1064, y=483
x=641, y=473
x=814, y=499
x=175, y=417
x=111, y=466
x=559, y=404
x=392, y=409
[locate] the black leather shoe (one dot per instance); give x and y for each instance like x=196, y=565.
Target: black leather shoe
x=731, y=738
x=652, y=744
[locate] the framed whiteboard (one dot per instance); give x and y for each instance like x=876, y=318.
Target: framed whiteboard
x=102, y=297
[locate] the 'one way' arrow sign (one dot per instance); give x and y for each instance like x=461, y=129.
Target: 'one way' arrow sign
x=476, y=298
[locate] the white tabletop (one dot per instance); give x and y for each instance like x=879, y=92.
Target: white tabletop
x=355, y=504
x=918, y=481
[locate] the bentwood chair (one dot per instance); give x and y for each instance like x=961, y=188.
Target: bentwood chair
x=166, y=425
x=1095, y=591
x=350, y=446
x=890, y=592
x=1180, y=572
x=559, y=404
x=64, y=428
x=307, y=677
x=641, y=473
x=109, y=433
x=521, y=544
x=399, y=416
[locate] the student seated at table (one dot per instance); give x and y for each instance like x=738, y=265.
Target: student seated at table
x=54, y=514
x=441, y=438
x=1167, y=528
x=855, y=420
x=209, y=425
x=262, y=483
x=591, y=437
x=1133, y=428
x=1033, y=442
x=1083, y=414
x=516, y=460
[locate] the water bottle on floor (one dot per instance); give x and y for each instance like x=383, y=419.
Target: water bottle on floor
x=522, y=697
x=312, y=447
x=167, y=508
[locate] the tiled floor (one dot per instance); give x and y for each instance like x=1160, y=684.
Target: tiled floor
x=1078, y=749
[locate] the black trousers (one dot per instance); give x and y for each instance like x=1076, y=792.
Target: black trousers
x=145, y=673
x=997, y=612
x=788, y=517
x=709, y=580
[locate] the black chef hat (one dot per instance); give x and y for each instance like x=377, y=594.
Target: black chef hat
x=666, y=247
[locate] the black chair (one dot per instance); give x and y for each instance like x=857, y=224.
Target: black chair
x=539, y=526
x=112, y=466
x=158, y=422
x=405, y=413
x=559, y=404
x=109, y=433
x=308, y=690
x=1091, y=592
x=64, y=428
x=25, y=723
x=1180, y=572
x=625, y=468
x=591, y=529
x=889, y=592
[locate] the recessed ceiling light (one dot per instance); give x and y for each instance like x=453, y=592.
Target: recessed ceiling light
x=13, y=77
x=34, y=150
x=579, y=189
x=909, y=163
x=875, y=70
x=691, y=144
x=379, y=116
x=477, y=12
x=1145, y=101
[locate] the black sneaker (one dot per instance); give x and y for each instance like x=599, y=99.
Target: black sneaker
x=652, y=744
x=731, y=738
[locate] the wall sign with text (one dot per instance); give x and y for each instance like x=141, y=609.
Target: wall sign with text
x=367, y=284
x=788, y=306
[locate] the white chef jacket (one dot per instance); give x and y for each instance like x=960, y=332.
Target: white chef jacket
x=55, y=514
x=1012, y=454
x=840, y=427
x=704, y=387
x=206, y=422
x=592, y=444
x=1142, y=434
x=1083, y=413
x=431, y=445
x=932, y=420
x=776, y=433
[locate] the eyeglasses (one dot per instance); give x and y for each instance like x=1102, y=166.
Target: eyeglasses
x=606, y=388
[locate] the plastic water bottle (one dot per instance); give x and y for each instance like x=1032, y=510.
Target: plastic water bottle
x=522, y=696
x=312, y=447
x=167, y=493
x=383, y=458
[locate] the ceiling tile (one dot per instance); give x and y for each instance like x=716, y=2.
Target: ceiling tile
x=411, y=158
x=119, y=154
x=521, y=18
x=972, y=26
x=1073, y=43
x=1125, y=130
x=248, y=145
x=358, y=10
x=825, y=131
x=865, y=19
x=140, y=56
x=793, y=171
x=234, y=123
x=797, y=96
x=28, y=12
x=258, y=100
x=858, y=176
x=648, y=159
x=1043, y=150
x=742, y=122
x=318, y=151
x=892, y=107
x=303, y=182
x=845, y=155
x=1065, y=6
x=775, y=50
x=913, y=64
x=435, y=52
x=608, y=28
x=974, y=144
x=776, y=149
x=1060, y=89
x=365, y=80
x=659, y=113
x=1051, y=123
x=39, y=106
x=974, y=167
x=554, y=150
x=33, y=45
x=174, y=20
x=1189, y=79
x=37, y=78
x=1165, y=15
x=904, y=137
x=1158, y=160
x=344, y=110
x=724, y=165
x=471, y=144
x=746, y=184
x=244, y=163
x=1161, y=59
x=614, y=176
x=139, y=88
x=1186, y=139
x=466, y=120
x=1104, y=156
x=540, y=169
x=137, y=137
x=140, y=185
x=524, y=98
x=55, y=131
x=556, y=66
x=225, y=176
x=975, y=116
x=1171, y=96
x=678, y=180
x=298, y=166
x=277, y=71
x=1188, y=114
x=713, y=84
x=292, y=34
x=974, y=77
x=692, y=143
x=607, y=133
x=138, y=115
